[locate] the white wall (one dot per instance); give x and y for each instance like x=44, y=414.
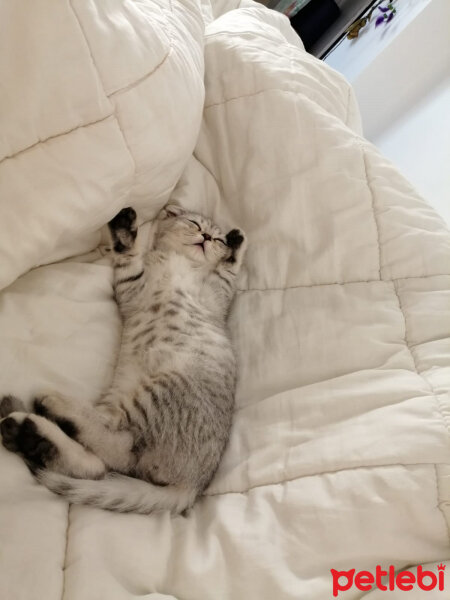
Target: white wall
x=401, y=78
x=352, y=57
x=418, y=142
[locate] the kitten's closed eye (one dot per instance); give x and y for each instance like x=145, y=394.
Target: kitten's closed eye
x=195, y=223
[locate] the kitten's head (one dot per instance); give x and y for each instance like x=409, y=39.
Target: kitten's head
x=190, y=234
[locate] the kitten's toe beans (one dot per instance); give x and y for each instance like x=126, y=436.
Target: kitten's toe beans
x=39, y=407
x=34, y=447
x=9, y=404
x=9, y=429
x=29, y=438
x=23, y=437
x=125, y=219
x=235, y=237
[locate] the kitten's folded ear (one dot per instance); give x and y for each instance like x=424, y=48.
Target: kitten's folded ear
x=171, y=209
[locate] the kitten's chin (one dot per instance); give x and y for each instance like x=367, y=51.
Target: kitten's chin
x=196, y=253
x=203, y=255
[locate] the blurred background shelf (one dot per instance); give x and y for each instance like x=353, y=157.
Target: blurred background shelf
x=320, y=23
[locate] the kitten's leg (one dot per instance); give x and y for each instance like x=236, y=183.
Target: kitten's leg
x=227, y=269
x=100, y=428
x=43, y=444
x=129, y=245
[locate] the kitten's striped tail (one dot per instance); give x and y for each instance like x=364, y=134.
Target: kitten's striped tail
x=119, y=493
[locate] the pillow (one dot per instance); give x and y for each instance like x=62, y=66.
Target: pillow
x=100, y=108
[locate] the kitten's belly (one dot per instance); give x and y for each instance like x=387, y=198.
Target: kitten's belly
x=168, y=350
x=189, y=355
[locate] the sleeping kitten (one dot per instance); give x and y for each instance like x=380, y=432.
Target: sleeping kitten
x=155, y=439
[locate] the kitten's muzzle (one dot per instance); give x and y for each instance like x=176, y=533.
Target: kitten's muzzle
x=206, y=238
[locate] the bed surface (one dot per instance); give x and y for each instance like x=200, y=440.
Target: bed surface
x=340, y=451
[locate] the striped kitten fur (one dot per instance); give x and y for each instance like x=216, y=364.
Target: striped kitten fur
x=155, y=439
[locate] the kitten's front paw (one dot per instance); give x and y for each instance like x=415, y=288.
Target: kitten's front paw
x=125, y=219
x=237, y=243
x=235, y=238
x=123, y=230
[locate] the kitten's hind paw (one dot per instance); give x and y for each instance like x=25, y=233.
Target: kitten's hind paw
x=20, y=434
x=9, y=404
x=56, y=409
x=9, y=428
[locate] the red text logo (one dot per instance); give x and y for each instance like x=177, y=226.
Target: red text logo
x=387, y=580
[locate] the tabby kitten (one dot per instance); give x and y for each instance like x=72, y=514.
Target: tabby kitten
x=155, y=439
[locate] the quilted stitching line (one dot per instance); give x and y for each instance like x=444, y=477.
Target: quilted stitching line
x=83, y=33
x=56, y=136
x=65, y=553
x=348, y=108
x=217, y=182
x=128, y=148
x=314, y=285
x=124, y=89
x=114, y=114
x=440, y=500
x=407, y=344
x=269, y=89
x=435, y=396
x=258, y=93
x=169, y=52
x=301, y=56
x=372, y=195
x=160, y=64
x=318, y=474
x=406, y=340
x=134, y=83
x=411, y=349
x=130, y=86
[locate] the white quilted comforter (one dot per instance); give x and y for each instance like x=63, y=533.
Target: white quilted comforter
x=340, y=452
